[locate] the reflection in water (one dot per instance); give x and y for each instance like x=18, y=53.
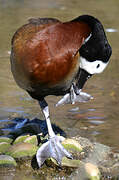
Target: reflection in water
x=96, y=119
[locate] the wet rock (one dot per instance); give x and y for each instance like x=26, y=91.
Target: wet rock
x=5, y=139
x=72, y=145
x=6, y=160
x=32, y=140
x=93, y=161
x=93, y=152
x=92, y=171
x=107, y=164
x=4, y=147
x=26, y=139
x=70, y=162
x=20, y=139
x=22, y=150
x=87, y=171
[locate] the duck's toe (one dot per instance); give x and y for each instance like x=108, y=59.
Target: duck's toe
x=52, y=148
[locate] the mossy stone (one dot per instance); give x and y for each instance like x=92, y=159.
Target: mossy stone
x=70, y=162
x=5, y=139
x=22, y=150
x=72, y=145
x=6, y=160
x=20, y=139
x=4, y=147
x=31, y=140
x=73, y=163
x=92, y=171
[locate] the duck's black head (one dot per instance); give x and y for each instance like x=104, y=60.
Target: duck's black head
x=95, y=51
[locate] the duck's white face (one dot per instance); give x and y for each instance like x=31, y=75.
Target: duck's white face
x=93, y=67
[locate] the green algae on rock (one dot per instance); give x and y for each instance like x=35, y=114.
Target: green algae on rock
x=70, y=162
x=22, y=150
x=5, y=139
x=4, y=147
x=92, y=171
x=20, y=139
x=6, y=160
x=32, y=140
x=72, y=145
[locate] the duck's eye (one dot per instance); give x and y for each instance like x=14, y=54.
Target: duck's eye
x=98, y=66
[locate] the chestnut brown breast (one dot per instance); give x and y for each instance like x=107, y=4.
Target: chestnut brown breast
x=46, y=55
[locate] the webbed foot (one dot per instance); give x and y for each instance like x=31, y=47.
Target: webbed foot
x=72, y=97
x=52, y=148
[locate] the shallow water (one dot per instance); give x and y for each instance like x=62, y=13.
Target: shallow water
x=97, y=119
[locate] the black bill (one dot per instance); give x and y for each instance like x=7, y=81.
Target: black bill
x=83, y=76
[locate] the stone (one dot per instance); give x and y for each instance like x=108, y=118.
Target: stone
x=5, y=139
x=6, y=160
x=91, y=161
x=4, y=147
x=70, y=162
x=22, y=150
x=20, y=139
x=72, y=145
x=92, y=171
x=31, y=140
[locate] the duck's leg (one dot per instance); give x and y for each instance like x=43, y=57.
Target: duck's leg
x=52, y=148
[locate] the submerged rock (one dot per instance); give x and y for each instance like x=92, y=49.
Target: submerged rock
x=6, y=160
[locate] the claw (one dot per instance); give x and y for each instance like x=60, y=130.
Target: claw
x=54, y=149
